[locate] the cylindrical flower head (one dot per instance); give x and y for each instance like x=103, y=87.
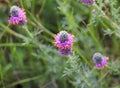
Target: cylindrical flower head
x=64, y=40
x=99, y=60
x=65, y=52
x=17, y=16
x=87, y=2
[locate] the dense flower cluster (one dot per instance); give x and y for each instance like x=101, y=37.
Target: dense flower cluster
x=17, y=16
x=87, y=2
x=99, y=60
x=64, y=42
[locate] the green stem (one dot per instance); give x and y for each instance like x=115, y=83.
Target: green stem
x=82, y=56
x=29, y=33
x=16, y=44
x=103, y=76
x=21, y=3
x=12, y=32
x=24, y=81
x=1, y=75
x=43, y=5
x=40, y=25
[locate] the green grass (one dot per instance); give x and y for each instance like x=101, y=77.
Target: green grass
x=29, y=58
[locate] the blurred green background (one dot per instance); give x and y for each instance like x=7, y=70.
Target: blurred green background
x=29, y=58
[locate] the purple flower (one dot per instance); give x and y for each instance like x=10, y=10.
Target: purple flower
x=65, y=52
x=64, y=42
x=99, y=60
x=17, y=16
x=87, y=2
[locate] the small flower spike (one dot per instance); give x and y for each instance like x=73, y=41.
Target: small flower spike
x=17, y=16
x=99, y=60
x=87, y=2
x=64, y=42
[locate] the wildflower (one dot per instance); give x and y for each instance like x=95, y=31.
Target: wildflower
x=17, y=16
x=99, y=60
x=64, y=42
x=87, y=2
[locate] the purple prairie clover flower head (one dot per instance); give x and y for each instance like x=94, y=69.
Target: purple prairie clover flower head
x=87, y=2
x=99, y=60
x=64, y=40
x=17, y=16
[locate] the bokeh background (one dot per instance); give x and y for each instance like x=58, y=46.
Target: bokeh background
x=29, y=58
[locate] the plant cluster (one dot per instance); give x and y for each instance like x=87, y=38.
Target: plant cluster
x=59, y=44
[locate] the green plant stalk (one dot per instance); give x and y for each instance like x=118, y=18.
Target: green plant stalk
x=16, y=44
x=40, y=25
x=24, y=81
x=21, y=3
x=102, y=77
x=12, y=32
x=95, y=39
x=29, y=33
x=8, y=2
x=33, y=5
x=43, y=5
x=1, y=76
x=79, y=52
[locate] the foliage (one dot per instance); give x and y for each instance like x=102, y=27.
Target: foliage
x=29, y=59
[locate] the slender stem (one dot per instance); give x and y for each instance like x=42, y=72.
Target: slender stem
x=40, y=25
x=16, y=44
x=29, y=33
x=82, y=56
x=21, y=3
x=12, y=32
x=103, y=76
x=24, y=81
x=43, y=5
x=8, y=3
x=1, y=75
